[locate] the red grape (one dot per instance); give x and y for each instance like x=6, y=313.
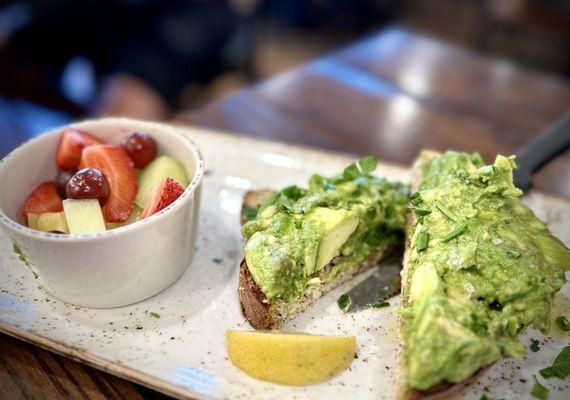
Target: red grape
x=89, y=183
x=61, y=182
x=141, y=147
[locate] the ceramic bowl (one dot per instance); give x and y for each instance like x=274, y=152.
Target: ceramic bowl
x=113, y=268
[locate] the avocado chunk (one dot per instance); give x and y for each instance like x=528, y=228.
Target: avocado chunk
x=424, y=282
x=84, y=216
x=338, y=226
x=160, y=168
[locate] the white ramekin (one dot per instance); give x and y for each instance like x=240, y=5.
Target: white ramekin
x=113, y=268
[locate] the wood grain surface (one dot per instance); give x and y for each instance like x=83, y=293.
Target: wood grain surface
x=396, y=93
x=390, y=95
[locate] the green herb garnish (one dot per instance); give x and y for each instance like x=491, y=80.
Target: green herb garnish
x=361, y=168
x=534, y=345
x=293, y=192
x=446, y=211
x=459, y=229
x=368, y=164
x=18, y=251
x=560, y=368
x=299, y=224
x=563, y=323
x=344, y=302
x=483, y=397
x=538, y=391
x=381, y=305
x=249, y=212
x=217, y=260
x=423, y=239
x=154, y=314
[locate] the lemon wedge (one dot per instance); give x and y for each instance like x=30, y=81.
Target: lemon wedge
x=290, y=359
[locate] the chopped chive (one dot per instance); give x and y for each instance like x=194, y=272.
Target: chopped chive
x=446, y=211
x=563, y=323
x=381, y=305
x=344, y=302
x=538, y=391
x=483, y=397
x=154, y=314
x=423, y=239
x=548, y=372
x=419, y=210
x=459, y=229
x=534, y=345
x=299, y=224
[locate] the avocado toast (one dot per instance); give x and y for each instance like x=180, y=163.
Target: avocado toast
x=302, y=243
x=479, y=268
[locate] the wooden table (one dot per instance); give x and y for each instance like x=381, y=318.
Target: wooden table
x=396, y=93
x=391, y=95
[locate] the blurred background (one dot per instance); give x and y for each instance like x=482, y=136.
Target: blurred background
x=62, y=60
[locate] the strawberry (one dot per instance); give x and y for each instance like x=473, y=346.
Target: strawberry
x=43, y=199
x=119, y=169
x=71, y=145
x=162, y=195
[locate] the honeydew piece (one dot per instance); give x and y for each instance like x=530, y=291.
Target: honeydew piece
x=84, y=216
x=160, y=168
x=33, y=220
x=48, y=222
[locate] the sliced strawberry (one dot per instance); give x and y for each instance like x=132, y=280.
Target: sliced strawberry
x=162, y=195
x=71, y=145
x=117, y=166
x=43, y=199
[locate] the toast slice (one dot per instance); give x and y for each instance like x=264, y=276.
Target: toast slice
x=537, y=237
x=443, y=390
x=265, y=314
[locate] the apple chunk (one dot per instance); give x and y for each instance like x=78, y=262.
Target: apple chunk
x=84, y=216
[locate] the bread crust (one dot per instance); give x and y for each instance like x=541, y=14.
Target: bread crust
x=442, y=390
x=254, y=305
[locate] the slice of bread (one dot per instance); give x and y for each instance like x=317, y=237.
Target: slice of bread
x=442, y=390
x=263, y=313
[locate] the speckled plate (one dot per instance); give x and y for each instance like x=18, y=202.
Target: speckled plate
x=183, y=352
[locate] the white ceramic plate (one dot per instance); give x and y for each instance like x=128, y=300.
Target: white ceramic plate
x=183, y=352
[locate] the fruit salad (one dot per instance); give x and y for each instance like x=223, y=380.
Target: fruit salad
x=101, y=186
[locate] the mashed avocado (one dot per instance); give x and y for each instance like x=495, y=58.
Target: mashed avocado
x=482, y=268
x=335, y=223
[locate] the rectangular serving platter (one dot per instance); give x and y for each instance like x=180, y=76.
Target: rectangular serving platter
x=183, y=352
